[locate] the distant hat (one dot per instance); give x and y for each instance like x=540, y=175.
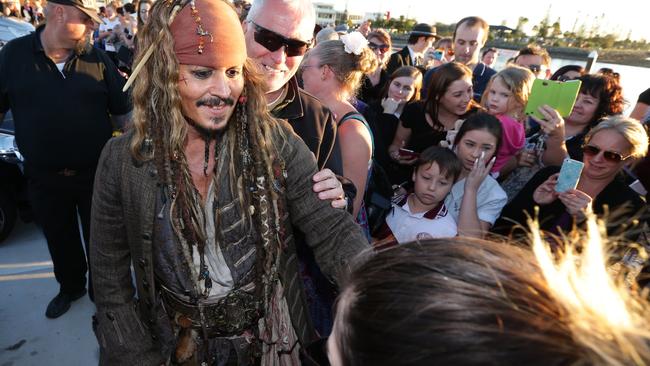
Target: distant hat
x=424, y=29
x=342, y=28
x=89, y=7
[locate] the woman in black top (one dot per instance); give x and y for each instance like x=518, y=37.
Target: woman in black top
x=607, y=149
x=425, y=123
x=373, y=83
x=383, y=115
x=548, y=143
x=600, y=96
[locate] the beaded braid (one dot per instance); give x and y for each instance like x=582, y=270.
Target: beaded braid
x=160, y=132
x=267, y=217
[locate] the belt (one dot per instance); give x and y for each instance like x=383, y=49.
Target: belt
x=230, y=316
x=67, y=172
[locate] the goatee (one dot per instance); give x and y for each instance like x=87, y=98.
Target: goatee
x=84, y=45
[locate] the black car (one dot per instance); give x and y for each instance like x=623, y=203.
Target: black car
x=13, y=185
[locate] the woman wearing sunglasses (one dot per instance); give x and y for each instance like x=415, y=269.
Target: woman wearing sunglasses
x=332, y=72
x=610, y=146
x=551, y=140
x=373, y=82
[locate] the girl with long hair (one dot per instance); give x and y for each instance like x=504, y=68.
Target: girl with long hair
x=476, y=199
x=505, y=97
x=425, y=123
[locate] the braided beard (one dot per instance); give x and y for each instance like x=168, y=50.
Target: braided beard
x=250, y=178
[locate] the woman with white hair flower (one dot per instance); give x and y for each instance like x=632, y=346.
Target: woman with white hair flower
x=332, y=72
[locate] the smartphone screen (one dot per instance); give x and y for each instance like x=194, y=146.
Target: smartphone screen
x=408, y=154
x=559, y=95
x=569, y=175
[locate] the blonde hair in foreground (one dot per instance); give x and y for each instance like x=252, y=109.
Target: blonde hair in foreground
x=608, y=319
x=463, y=301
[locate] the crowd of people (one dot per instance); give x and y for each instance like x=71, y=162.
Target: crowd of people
x=264, y=165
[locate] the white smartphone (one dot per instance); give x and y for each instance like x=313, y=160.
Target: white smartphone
x=569, y=175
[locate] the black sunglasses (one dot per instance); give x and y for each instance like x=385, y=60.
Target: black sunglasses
x=535, y=68
x=565, y=78
x=273, y=41
x=612, y=156
x=381, y=47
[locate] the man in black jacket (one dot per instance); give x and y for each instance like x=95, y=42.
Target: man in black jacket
x=277, y=36
x=413, y=54
x=65, y=97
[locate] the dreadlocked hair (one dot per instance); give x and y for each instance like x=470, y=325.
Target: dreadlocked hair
x=244, y=150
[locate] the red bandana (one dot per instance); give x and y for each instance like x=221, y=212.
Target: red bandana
x=208, y=33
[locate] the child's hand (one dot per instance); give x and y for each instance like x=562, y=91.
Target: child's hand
x=526, y=158
x=478, y=173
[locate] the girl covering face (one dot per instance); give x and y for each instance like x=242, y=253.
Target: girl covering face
x=476, y=199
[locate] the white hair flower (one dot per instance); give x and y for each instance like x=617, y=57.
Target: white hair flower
x=354, y=42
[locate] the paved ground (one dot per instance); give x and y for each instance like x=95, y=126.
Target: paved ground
x=27, y=284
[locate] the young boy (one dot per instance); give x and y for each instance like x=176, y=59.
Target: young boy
x=422, y=214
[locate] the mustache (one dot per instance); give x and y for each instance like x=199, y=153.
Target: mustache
x=215, y=102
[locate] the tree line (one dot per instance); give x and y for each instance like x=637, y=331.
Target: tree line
x=547, y=33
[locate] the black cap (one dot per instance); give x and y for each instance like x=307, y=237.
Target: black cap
x=424, y=29
x=89, y=7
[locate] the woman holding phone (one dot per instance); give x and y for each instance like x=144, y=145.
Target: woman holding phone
x=600, y=95
x=552, y=139
x=608, y=147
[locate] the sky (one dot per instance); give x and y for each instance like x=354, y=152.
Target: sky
x=617, y=16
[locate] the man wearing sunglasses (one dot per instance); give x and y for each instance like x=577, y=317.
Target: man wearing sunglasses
x=536, y=59
x=278, y=34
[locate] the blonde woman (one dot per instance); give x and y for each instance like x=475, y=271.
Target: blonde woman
x=332, y=72
x=610, y=146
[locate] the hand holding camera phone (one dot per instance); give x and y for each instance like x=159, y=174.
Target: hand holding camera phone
x=569, y=175
x=408, y=154
x=560, y=96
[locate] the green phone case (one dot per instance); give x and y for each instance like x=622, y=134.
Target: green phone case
x=557, y=94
